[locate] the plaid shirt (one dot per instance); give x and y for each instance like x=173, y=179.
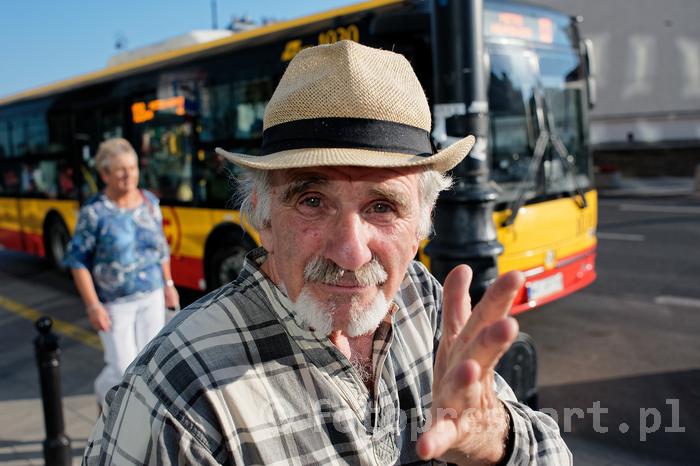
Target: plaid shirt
x=235, y=379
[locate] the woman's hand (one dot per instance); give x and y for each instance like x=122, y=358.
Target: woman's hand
x=99, y=317
x=172, y=298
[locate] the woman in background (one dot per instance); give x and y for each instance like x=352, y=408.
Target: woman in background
x=120, y=262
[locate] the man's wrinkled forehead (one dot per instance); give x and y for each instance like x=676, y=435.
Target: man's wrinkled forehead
x=387, y=182
x=344, y=172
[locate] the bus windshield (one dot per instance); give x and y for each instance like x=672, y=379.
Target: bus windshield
x=530, y=89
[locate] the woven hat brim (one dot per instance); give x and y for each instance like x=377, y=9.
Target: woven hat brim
x=443, y=161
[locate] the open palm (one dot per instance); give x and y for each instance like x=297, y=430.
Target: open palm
x=469, y=425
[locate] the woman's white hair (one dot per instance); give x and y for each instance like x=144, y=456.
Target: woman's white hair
x=256, y=183
x=109, y=149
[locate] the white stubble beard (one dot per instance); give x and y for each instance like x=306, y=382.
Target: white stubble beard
x=320, y=316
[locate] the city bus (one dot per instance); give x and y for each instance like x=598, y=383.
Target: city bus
x=178, y=103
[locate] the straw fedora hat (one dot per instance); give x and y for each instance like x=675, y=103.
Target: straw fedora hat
x=347, y=104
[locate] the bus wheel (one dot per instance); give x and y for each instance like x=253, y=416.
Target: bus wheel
x=225, y=265
x=56, y=239
x=518, y=366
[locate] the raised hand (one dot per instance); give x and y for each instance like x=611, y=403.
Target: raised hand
x=469, y=425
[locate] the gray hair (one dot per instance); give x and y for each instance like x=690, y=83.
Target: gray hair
x=109, y=149
x=256, y=183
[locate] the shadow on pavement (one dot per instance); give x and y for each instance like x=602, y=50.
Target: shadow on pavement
x=651, y=417
x=32, y=450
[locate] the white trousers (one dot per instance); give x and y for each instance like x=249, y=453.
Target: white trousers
x=134, y=324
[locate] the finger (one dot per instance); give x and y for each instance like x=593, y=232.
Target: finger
x=463, y=392
x=495, y=304
x=456, y=303
x=459, y=384
x=437, y=440
x=492, y=342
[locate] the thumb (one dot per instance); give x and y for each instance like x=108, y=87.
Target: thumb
x=436, y=441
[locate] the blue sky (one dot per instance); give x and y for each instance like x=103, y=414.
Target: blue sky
x=43, y=41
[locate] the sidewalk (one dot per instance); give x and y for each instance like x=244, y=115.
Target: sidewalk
x=22, y=429
x=21, y=439
x=615, y=185
x=27, y=286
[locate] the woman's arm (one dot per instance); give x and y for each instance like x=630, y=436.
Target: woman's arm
x=172, y=298
x=99, y=318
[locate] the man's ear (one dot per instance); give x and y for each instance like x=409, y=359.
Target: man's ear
x=266, y=239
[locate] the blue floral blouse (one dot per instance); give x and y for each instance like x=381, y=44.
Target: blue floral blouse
x=122, y=248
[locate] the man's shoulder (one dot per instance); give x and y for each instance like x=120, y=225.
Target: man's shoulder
x=417, y=270
x=222, y=330
x=419, y=299
x=218, y=348
x=420, y=281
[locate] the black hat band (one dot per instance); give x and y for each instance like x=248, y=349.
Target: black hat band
x=351, y=133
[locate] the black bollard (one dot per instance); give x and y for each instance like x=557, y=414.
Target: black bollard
x=57, y=451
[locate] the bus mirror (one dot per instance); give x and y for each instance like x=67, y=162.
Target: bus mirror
x=588, y=52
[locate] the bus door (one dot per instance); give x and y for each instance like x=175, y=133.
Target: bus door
x=166, y=146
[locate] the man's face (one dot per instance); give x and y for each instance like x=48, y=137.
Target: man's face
x=342, y=237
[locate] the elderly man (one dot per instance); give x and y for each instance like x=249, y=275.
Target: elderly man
x=333, y=346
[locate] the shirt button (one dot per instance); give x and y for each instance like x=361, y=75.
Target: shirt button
x=142, y=274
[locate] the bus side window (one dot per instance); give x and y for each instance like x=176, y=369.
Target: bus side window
x=165, y=159
x=37, y=179
x=217, y=180
x=9, y=179
x=29, y=131
x=235, y=109
x=231, y=117
x=5, y=148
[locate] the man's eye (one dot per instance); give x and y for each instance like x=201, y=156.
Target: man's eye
x=311, y=202
x=381, y=208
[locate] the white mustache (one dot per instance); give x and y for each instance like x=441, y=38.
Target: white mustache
x=328, y=272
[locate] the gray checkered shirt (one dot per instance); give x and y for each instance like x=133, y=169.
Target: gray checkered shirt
x=235, y=379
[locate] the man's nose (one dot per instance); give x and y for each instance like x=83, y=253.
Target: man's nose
x=348, y=242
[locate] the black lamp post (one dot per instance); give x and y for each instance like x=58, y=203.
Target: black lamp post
x=465, y=231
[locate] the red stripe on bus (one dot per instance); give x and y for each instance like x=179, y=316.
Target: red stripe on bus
x=11, y=239
x=34, y=244
x=24, y=242
x=576, y=275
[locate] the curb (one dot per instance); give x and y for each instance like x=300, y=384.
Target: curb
x=645, y=187
x=613, y=193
